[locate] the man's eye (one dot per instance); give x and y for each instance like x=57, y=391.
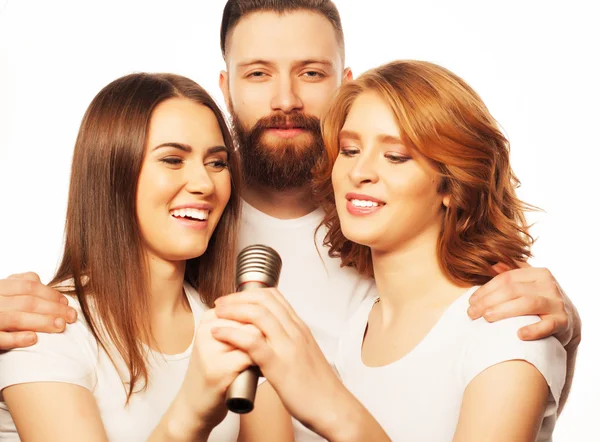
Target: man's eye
x=314, y=74
x=256, y=75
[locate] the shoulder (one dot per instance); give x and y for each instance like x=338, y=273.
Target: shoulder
x=69, y=356
x=491, y=343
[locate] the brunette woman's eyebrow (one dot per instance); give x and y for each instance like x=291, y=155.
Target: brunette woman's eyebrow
x=180, y=146
x=217, y=149
x=187, y=148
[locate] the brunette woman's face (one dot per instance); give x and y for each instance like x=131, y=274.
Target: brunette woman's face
x=386, y=194
x=184, y=184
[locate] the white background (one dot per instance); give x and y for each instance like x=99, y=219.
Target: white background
x=535, y=63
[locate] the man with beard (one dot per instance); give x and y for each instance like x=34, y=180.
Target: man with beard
x=285, y=60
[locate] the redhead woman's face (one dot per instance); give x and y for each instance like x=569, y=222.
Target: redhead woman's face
x=386, y=195
x=184, y=183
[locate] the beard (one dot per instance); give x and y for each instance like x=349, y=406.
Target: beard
x=279, y=164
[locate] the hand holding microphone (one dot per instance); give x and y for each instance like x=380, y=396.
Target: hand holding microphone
x=288, y=356
x=258, y=267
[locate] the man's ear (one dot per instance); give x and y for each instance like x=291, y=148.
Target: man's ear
x=224, y=86
x=347, y=76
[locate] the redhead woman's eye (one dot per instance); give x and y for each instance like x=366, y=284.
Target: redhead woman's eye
x=349, y=151
x=398, y=159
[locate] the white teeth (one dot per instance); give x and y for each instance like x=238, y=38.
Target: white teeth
x=363, y=203
x=198, y=214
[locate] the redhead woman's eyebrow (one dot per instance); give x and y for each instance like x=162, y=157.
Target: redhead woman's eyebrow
x=350, y=134
x=389, y=139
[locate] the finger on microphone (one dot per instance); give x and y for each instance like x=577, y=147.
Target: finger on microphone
x=258, y=266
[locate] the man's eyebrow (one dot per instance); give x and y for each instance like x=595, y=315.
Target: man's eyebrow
x=324, y=61
x=267, y=63
x=247, y=63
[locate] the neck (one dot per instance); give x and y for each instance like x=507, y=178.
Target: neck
x=165, y=286
x=410, y=276
x=281, y=204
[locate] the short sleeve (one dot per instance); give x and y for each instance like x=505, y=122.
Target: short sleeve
x=56, y=357
x=493, y=343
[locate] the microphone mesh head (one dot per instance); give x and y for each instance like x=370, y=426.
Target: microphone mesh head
x=258, y=264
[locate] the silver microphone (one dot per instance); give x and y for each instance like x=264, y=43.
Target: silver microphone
x=258, y=266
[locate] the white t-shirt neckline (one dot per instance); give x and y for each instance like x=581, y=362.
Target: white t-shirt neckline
x=312, y=219
x=420, y=347
x=196, y=313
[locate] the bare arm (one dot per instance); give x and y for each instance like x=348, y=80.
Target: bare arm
x=52, y=411
x=61, y=412
x=269, y=421
x=506, y=402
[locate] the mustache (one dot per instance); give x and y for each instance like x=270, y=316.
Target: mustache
x=295, y=120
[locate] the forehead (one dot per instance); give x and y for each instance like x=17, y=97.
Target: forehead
x=281, y=38
x=184, y=121
x=372, y=115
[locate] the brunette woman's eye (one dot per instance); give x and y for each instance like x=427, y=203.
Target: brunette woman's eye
x=173, y=161
x=218, y=164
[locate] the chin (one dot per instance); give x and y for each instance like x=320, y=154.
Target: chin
x=359, y=236
x=186, y=253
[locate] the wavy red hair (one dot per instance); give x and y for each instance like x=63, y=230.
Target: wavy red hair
x=444, y=119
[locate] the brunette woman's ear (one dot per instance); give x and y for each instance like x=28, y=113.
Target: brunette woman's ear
x=446, y=200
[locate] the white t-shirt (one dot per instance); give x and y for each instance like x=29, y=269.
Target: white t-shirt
x=418, y=397
x=323, y=294
x=75, y=357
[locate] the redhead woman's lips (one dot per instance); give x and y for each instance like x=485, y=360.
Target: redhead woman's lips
x=361, y=205
x=286, y=132
x=359, y=208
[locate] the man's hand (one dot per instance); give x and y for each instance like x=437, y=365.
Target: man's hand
x=528, y=291
x=28, y=306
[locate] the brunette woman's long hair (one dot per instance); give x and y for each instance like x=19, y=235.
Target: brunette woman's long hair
x=445, y=120
x=103, y=253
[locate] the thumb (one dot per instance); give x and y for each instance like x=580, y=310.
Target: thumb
x=501, y=267
x=31, y=276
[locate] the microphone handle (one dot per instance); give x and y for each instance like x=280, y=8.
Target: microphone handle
x=242, y=391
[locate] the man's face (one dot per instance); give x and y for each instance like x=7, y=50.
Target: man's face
x=282, y=73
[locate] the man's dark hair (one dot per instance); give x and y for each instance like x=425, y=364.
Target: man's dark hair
x=235, y=10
